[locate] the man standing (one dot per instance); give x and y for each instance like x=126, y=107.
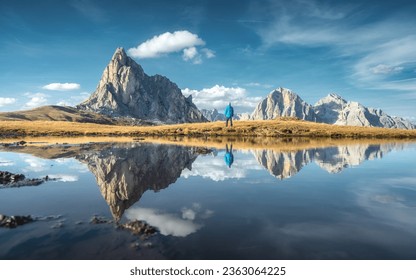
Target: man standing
x=229, y=113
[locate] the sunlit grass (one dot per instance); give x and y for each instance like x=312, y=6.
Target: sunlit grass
x=264, y=128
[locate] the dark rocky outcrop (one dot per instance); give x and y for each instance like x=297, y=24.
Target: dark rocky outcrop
x=14, y=221
x=11, y=180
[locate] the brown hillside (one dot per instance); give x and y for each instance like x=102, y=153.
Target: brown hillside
x=56, y=113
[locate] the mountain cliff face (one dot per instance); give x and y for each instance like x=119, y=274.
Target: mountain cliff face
x=125, y=172
x=283, y=102
x=332, y=109
x=126, y=91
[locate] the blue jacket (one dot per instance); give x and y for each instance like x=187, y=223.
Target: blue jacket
x=229, y=111
x=229, y=159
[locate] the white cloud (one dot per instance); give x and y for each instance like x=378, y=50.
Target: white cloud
x=35, y=165
x=168, y=224
x=6, y=101
x=216, y=169
x=255, y=84
x=62, y=86
x=385, y=69
x=36, y=100
x=383, y=199
x=74, y=99
x=72, y=164
x=4, y=162
x=166, y=43
x=196, y=211
x=375, y=48
x=63, y=103
x=64, y=177
x=390, y=57
x=191, y=54
x=218, y=97
x=208, y=53
x=188, y=214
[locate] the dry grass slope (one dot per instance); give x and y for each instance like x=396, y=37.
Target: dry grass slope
x=55, y=113
x=281, y=128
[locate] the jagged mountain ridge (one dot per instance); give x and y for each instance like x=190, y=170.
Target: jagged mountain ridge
x=332, y=109
x=283, y=102
x=283, y=165
x=125, y=90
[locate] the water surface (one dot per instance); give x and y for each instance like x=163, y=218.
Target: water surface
x=346, y=201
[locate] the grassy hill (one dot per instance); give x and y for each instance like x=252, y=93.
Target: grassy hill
x=56, y=113
x=268, y=128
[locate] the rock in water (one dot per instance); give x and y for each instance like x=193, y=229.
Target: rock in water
x=14, y=221
x=282, y=102
x=126, y=91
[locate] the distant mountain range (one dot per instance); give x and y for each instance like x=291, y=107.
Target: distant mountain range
x=127, y=95
x=213, y=115
x=332, y=109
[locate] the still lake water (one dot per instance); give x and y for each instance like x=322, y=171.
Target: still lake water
x=351, y=201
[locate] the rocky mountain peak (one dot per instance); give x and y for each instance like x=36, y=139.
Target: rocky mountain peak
x=125, y=90
x=283, y=102
x=120, y=55
x=332, y=97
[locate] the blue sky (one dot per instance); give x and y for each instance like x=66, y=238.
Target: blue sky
x=54, y=52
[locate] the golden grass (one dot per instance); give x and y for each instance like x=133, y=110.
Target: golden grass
x=55, y=113
x=267, y=128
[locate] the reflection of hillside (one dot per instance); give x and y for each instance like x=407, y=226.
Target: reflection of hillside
x=332, y=159
x=125, y=173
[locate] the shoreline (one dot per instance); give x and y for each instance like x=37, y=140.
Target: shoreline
x=69, y=147
x=280, y=128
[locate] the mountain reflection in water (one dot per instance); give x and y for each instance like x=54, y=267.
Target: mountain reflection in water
x=221, y=202
x=332, y=159
x=125, y=172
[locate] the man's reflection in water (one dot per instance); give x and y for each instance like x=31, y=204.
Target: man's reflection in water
x=229, y=157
